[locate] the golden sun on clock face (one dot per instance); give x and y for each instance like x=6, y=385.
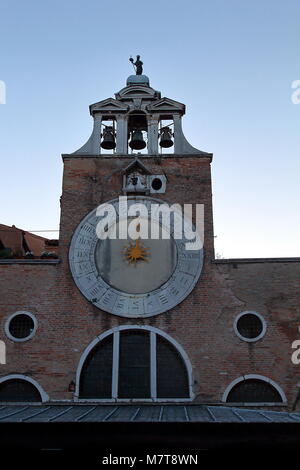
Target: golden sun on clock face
x=135, y=251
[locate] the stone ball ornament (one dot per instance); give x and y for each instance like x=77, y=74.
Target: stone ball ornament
x=139, y=275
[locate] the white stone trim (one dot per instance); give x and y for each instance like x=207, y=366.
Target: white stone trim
x=131, y=400
x=258, y=377
x=2, y=352
x=44, y=395
x=115, y=362
x=153, y=332
x=20, y=340
x=263, y=331
x=153, y=365
x=121, y=134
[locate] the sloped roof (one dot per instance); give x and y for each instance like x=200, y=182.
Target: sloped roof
x=141, y=413
x=13, y=237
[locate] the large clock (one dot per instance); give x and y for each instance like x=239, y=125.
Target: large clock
x=133, y=278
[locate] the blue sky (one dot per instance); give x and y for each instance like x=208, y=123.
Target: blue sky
x=231, y=62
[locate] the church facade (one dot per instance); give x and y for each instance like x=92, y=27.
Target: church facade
x=120, y=320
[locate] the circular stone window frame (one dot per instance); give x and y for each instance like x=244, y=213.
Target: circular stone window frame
x=7, y=323
x=257, y=338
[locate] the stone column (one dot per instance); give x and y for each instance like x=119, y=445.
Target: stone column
x=153, y=134
x=96, y=135
x=178, y=134
x=122, y=134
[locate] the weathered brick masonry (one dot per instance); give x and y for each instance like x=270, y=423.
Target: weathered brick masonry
x=202, y=324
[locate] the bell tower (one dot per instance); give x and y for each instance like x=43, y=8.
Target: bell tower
x=137, y=147
x=137, y=151
x=138, y=120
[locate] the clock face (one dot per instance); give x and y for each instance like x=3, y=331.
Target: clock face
x=133, y=277
x=138, y=266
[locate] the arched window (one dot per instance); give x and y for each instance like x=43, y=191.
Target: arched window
x=18, y=390
x=96, y=376
x=168, y=359
x=253, y=389
x=134, y=363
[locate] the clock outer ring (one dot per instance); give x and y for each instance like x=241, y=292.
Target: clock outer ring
x=103, y=296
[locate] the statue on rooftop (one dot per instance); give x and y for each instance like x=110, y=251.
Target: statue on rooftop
x=138, y=64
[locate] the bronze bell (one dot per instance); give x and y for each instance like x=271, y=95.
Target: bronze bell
x=137, y=142
x=108, y=142
x=166, y=137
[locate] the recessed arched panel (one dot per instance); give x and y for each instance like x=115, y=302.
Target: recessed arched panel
x=18, y=390
x=253, y=391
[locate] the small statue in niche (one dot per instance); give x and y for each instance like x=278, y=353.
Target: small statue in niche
x=136, y=182
x=138, y=64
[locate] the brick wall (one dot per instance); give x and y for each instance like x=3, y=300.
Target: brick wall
x=202, y=323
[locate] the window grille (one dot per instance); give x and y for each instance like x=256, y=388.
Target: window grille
x=169, y=361
x=18, y=390
x=96, y=374
x=21, y=326
x=249, y=326
x=134, y=364
x=253, y=391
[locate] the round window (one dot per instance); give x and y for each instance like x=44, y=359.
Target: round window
x=21, y=326
x=156, y=184
x=250, y=326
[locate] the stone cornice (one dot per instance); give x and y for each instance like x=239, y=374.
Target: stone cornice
x=255, y=260
x=140, y=156
x=29, y=261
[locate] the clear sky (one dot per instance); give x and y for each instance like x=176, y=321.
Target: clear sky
x=231, y=62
